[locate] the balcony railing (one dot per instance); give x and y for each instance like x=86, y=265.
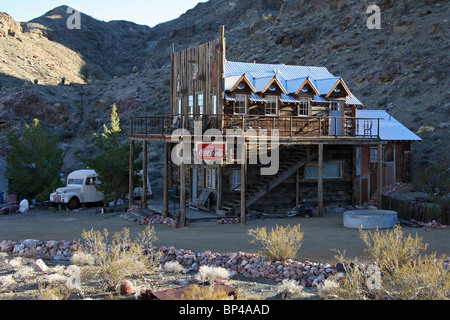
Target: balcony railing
x=295, y=126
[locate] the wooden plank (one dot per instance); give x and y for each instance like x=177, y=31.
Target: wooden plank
x=243, y=187
x=380, y=175
x=182, y=218
x=144, y=204
x=320, y=181
x=131, y=176
x=166, y=181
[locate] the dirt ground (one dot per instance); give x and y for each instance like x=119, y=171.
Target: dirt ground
x=321, y=235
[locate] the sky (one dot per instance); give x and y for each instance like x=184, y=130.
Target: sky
x=146, y=12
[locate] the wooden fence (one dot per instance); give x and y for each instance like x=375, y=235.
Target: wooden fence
x=409, y=210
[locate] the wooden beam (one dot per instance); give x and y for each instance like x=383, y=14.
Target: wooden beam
x=243, y=186
x=219, y=187
x=380, y=176
x=165, y=211
x=144, y=203
x=182, y=218
x=131, y=176
x=320, y=181
x=297, y=188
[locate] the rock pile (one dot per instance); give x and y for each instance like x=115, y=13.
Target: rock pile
x=228, y=220
x=309, y=274
x=158, y=219
x=250, y=265
x=47, y=250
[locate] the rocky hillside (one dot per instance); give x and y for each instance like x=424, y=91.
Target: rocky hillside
x=403, y=67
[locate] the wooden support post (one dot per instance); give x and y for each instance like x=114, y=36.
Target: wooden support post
x=182, y=218
x=131, y=176
x=297, y=188
x=380, y=175
x=320, y=181
x=243, y=185
x=144, y=204
x=165, y=211
x=219, y=187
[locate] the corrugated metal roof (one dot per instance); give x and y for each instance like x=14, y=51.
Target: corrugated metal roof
x=353, y=101
x=229, y=98
x=290, y=77
x=320, y=99
x=255, y=98
x=390, y=128
x=288, y=99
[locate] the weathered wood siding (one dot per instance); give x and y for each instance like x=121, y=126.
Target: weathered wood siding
x=198, y=70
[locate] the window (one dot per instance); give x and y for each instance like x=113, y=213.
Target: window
x=235, y=180
x=335, y=106
x=240, y=106
x=191, y=106
x=272, y=105
x=214, y=104
x=374, y=155
x=331, y=170
x=200, y=104
x=303, y=108
x=180, y=110
x=210, y=178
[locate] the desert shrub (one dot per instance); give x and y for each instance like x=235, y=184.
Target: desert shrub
x=399, y=271
x=212, y=292
x=113, y=262
x=206, y=273
x=49, y=292
x=289, y=288
x=173, y=267
x=391, y=249
x=279, y=244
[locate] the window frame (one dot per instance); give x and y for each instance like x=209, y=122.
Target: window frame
x=316, y=166
x=235, y=107
x=235, y=180
x=269, y=104
x=303, y=101
x=210, y=178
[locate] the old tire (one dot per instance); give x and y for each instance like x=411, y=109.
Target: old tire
x=73, y=204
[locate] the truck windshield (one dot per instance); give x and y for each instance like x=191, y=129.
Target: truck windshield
x=75, y=181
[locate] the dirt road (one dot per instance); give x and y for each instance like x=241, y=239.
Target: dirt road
x=321, y=235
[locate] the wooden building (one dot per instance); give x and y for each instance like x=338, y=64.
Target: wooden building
x=267, y=136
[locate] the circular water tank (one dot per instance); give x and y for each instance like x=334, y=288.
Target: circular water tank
x=370, y=219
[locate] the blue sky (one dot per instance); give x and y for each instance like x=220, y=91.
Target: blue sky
x=147, y=12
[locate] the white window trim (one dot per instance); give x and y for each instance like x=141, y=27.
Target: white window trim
x=210, y=179
x=276, y=105
x=304, y=100
x=200, y=107
x=245, y=102
x=191, y=106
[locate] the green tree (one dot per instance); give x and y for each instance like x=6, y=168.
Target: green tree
x=34, y=161
x=111, y=162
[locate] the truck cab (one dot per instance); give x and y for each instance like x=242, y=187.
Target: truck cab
x=80, y=189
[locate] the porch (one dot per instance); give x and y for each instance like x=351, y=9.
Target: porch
x=289, y=127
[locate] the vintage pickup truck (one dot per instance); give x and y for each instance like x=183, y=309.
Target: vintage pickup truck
x=80, y=189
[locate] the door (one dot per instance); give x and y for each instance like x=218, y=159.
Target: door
x=336, y=113
x=194, y=184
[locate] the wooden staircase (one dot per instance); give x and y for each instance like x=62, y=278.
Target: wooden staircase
x=255, y=192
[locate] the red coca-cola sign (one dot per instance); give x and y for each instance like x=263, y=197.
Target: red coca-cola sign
x=211, y=151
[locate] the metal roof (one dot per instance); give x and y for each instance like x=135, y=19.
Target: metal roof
x=290, y=77
x=255, y=98
x=288, y=99
x=390, y=128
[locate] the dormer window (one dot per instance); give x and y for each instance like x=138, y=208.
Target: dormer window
x=272, y=106
x=240, y=106
x=241, y=86
x=304, y=106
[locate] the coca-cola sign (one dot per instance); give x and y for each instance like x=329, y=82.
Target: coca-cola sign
x=211, y=151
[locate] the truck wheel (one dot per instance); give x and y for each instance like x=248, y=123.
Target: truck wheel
x=73, y=204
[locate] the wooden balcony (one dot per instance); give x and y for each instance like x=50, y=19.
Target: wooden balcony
x=295, y=128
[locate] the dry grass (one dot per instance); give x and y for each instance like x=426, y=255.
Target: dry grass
x=279, y=244
x=399, y=271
